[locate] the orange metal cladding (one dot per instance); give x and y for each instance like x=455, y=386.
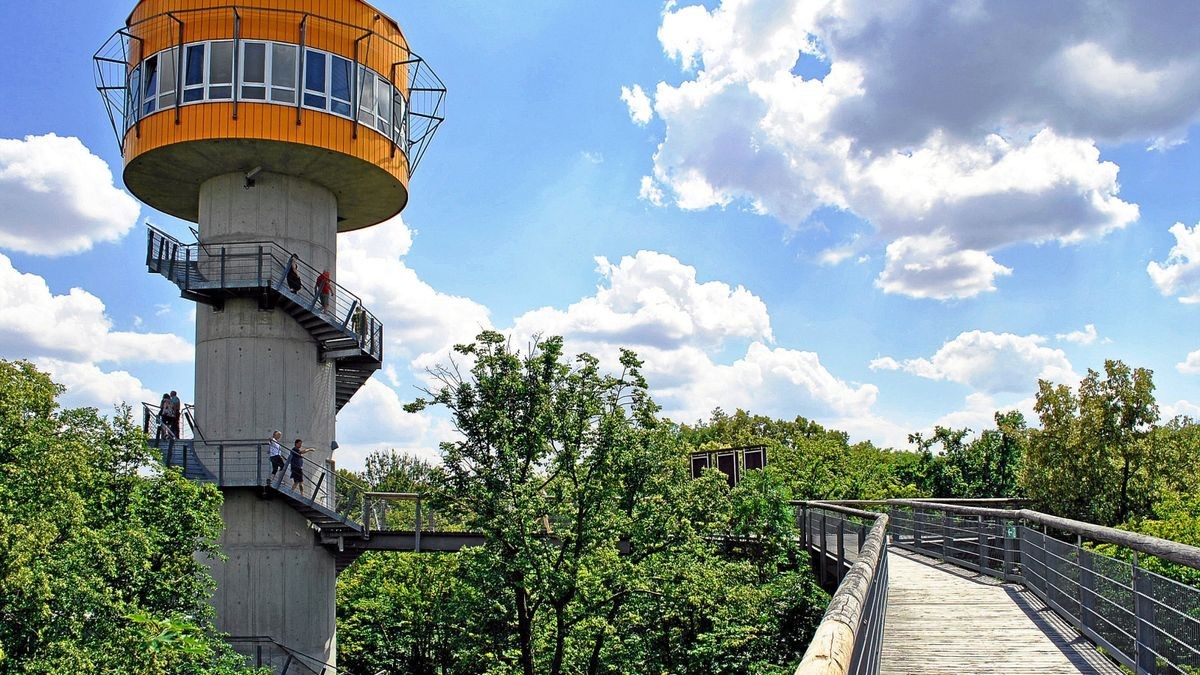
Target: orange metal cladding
x=331, y=26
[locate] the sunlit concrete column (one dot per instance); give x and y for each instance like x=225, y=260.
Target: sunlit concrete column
x=258, y=370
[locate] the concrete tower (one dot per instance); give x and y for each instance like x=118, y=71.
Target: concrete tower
x=273, y=125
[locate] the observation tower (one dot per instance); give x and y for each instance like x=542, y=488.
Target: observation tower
x=273, y=125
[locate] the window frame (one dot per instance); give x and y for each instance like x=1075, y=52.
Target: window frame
x=385, y=115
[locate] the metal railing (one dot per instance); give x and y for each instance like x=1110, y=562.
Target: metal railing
x=240, y=463
x=261, y=650
x=1145, y=621
x=419, y=95
x=206, y=267
x=851, y=547
x=156, y=428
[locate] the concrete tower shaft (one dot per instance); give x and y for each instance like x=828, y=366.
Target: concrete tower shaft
x=273, y=124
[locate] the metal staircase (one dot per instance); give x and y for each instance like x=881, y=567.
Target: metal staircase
x=345, y=332
x=331, y=502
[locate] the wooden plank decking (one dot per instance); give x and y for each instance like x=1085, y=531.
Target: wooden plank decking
x=946, y=619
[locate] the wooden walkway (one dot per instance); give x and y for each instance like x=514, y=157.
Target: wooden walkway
x=946, y=619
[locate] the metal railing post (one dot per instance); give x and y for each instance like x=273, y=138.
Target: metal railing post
x=1087, y=586
x=222, y=267
x=417, y=529
x=317, y=486
x=183, y=450
x=1143, y=610
x=823, y=548
x=187, y=274
x=916, y=521
x=945, y=534
x=258, y=465
x=220, y=464
x=841, y=549
x=804, y=526
x=366, y=516
x=982, y=545
x=260, y=260
x=1009, y=530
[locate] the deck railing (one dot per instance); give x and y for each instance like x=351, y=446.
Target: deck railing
x=851, y=547
x=1145, y=621
x=241, y=463
x=201, y=268
x=263, y=651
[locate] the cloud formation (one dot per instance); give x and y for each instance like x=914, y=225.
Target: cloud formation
x=57, y=198
x=653, y=303
x=1080, y=337
x=1190, y=364
x=954, y=131
x=421, y=324
x=72, y=327
x=640, y=110
x=989, y=362
x=1179, y=274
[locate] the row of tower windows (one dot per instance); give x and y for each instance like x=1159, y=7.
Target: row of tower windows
x=268, y=72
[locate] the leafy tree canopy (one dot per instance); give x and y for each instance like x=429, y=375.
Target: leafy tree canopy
x=97, y=572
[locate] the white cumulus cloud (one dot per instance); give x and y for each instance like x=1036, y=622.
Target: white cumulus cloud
x=641, y=111
x=682, y=328
x=1080, y=337
x=1180, y=274
x=654, y=300
x=374, y=420
x=57, y=198
x=72, y=327
x=931, y=267
x=1190, y=364
x=89, y=386
x=955, y=131
x=990, y=362
x=421, y=324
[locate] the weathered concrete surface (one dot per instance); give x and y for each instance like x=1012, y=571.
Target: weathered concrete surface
x=257, y=371
x=277, y=582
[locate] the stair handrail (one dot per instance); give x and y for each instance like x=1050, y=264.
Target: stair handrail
x=371, y=329
x=347, y=310
x=313, y=663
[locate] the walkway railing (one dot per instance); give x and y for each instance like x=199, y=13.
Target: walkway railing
x=261, y=650
x=206, y=268
x=240, y=463
x=1145, y=621
x=851, y=546
x=154, y=426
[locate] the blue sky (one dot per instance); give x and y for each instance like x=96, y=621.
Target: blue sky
x=879, y=217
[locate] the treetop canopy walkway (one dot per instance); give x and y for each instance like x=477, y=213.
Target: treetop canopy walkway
x=922, y=586
x=1049, y=597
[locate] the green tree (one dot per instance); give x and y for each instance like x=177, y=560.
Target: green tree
x=97, y=544
x=537, y=472
x=1094, y=458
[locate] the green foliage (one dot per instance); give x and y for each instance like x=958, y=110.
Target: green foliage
x=1094, y=459
x=560, y=466
x=813, y=462
x=983, y=468
x=97, y=544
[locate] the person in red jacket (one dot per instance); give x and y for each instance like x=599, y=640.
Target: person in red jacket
x=324, y=289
